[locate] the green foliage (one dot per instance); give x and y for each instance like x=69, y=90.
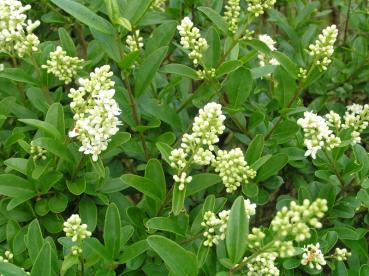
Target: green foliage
x=141, y=222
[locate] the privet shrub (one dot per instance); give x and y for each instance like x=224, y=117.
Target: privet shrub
x=143, y=137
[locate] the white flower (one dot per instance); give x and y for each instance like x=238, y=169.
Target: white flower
x=250, y=208
x=357, y=118
x=232, y=168
x=38, y=152
x=258, y=7
x=333, y=119
x=191, y=39
x=197, y=147
x=16, y=35
x=158, y=5
x=313, y=256
x=207, y=73
x=263, y=59
x=295, y=220
x=63, y=66
x=182, y=179
x=2, y=67
x=263, y=264
x=95, y=111
x=74, y=229
x=231, y=14
x=255, y=238
x=76, y=250
x=323, y=48
x=317, y=134
x=135, y=41
x=215, y=227
x=341, y=254
x=8, y=257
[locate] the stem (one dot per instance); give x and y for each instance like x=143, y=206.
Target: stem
x=44, y=88
x=253, y=256
x=292, y=101
x=82, y=265
x=132, y=104
x=347, y=21
x=335, y=169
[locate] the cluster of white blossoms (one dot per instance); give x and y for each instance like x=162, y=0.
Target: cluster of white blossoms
x=207, y=73
x=134, y=41
x=232, y=168
x=38, y=152
x=317, y=134
x=357, y=118
x=74, y=229
x=323, y=48
x=16, y=31
x=231, y=14
x=197, y=147
x=263, y=59
x=158, y=5
x=8, y=257
x=315, y=259
x=313, y=256
x=191, y=40
x=296, y=220
x=302, y=74
x=95, y=111
x=341, y=254
x=216, y=225
x=263, y=264
x=62, y=66
x=258, y=7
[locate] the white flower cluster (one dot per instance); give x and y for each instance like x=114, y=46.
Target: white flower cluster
x=16, y=32
x=250, y=208
x=207, y=73
x=263, y=264
x=357, y=118
x=158, y=5
x=263, y=59
x=341, y=254
x=255, y=238
x=231, y=14
x=135, y=41
x=317, y=134
x=95, y=111
x=258, y=7
x=63, y=66
x=191, y=39
x=323, y=48
x=8, y=257
x=74, y=229
x=216, y=225
x=302, y=74
x=76, y=250
x=313, y=256
x=232, y=168
x=295, y=220
x=38, y=152
x=197, y=147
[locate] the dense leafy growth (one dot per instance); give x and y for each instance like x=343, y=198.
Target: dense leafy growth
x=189, y=137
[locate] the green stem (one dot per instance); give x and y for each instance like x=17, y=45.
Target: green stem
x=82, y=265
x=133, y=105
x=253, y=256
x=292, y=101
x=335, y=169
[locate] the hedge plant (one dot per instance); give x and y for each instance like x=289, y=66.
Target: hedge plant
x=184, y=137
